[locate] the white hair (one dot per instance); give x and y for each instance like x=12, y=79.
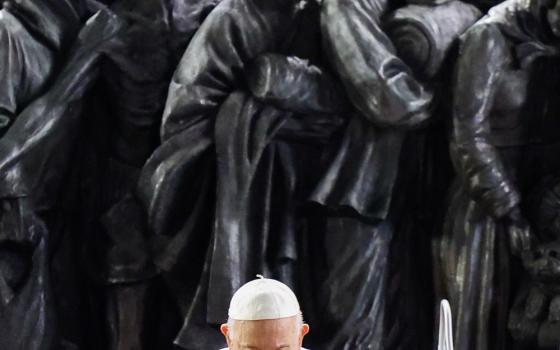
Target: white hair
x=231, y=322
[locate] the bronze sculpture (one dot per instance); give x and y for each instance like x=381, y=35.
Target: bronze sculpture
x=391, y=101
x=533, y=319
x=121, y=134
x=42, y=99
x=299, y=139
x=502, y=142
x=207, y=101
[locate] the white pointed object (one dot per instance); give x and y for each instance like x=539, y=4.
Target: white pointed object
x=445, y=341
x=263, y=299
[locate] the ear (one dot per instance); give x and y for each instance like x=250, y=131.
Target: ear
x=304, y=330
x=225, y=330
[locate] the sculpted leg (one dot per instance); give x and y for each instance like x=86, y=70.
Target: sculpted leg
x=354, y=291
x=126, y=315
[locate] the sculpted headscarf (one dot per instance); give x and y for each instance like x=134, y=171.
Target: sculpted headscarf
x=54, y=22
x=524, y=23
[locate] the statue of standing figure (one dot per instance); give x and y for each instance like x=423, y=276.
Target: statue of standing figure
x=504, y=139
x=46, y=65
x=121, y=131
x=369, y=195
x=244, y=112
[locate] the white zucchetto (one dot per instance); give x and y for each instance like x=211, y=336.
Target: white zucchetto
x=263, y=299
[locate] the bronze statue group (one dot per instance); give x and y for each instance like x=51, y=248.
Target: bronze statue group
x=377, y=156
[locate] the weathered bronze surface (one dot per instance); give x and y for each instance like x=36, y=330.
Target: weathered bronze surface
x=374, y=155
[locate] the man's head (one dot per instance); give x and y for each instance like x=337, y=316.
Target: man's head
x=264, y=315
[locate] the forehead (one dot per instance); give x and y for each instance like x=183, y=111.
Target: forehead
x=266, y=334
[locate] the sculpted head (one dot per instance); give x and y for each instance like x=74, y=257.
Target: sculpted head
x=553, y=16
x=264, y=315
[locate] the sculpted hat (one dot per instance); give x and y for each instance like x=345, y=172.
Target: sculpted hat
x=263, y=299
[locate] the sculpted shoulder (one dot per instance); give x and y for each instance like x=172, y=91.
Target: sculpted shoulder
x=231, y=33
x=336, y=8
x=9, y=25
x=506, y=16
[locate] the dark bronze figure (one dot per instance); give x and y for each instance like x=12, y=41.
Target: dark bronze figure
x=368, y=184
x=425, y=37
x=504, y=139
x=230, y=113
x=45, y=73
x=122, y=132
x=534, y=318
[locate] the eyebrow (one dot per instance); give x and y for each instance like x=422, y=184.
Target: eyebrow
x=257, y=348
